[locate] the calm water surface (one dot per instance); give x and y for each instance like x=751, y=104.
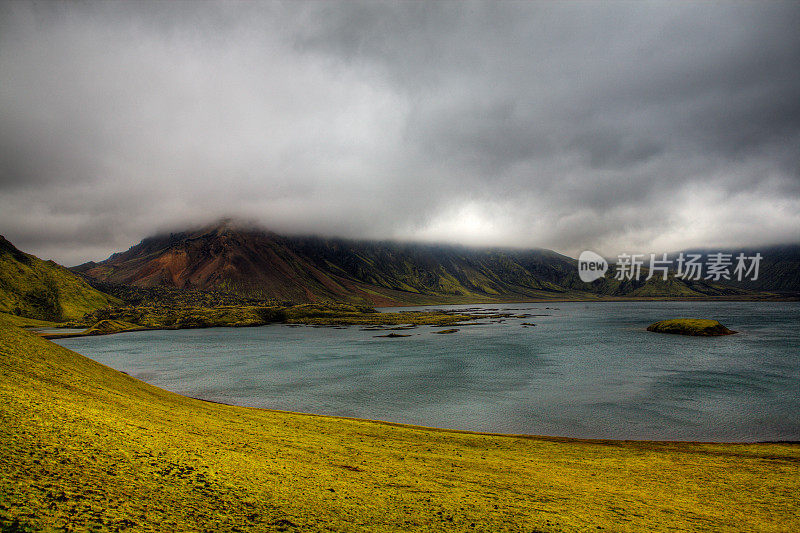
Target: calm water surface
x=585, y=370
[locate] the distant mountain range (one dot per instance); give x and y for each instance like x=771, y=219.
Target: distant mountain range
x=779, y=268
x=231, y=263
x=253, y=262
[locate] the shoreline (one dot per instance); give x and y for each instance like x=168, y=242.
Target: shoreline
x=553, y=438
x=729, y=298
x=454, y=431
x=383, y=309
x=638, y=438
x=523, y=436
x=100, y=437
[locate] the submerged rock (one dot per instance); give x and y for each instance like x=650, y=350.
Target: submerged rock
x=451, y=330
x=690, y=326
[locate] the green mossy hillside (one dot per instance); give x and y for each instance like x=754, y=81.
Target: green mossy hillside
x=25, y=322
x=84, y=447
x=43, y=290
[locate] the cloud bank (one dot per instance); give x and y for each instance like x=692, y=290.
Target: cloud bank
x=570, y=126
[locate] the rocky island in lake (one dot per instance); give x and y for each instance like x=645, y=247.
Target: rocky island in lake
x=691, y=326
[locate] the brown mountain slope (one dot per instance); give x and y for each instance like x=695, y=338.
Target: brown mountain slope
x=237, y=258
x=253, y=262
x=223, y=257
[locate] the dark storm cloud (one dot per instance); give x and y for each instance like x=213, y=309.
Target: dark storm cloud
x=565, y=125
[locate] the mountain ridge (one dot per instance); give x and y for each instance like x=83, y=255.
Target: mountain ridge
x=252, y=261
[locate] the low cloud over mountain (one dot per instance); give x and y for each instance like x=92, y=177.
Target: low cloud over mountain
x=640, y=127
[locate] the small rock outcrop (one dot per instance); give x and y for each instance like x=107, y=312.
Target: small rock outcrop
x=690, y=326
x=107, y=327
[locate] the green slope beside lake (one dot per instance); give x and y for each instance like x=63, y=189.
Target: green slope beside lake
x=84, y=447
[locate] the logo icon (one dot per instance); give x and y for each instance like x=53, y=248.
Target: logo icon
x=591, y=266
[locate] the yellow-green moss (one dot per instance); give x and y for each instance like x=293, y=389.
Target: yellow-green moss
x=84, y=447
x=226, y=316
x=43, y=290
x=104, y=327
x=690, y=326
x=25, y=322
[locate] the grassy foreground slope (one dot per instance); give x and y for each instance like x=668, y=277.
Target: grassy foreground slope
x=85, y=447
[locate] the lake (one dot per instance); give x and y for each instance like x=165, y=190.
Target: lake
x=585, y=370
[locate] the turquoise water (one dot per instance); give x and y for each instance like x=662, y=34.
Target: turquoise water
x=585, y=370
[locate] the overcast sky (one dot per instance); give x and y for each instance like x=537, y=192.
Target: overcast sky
x=646, y=127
